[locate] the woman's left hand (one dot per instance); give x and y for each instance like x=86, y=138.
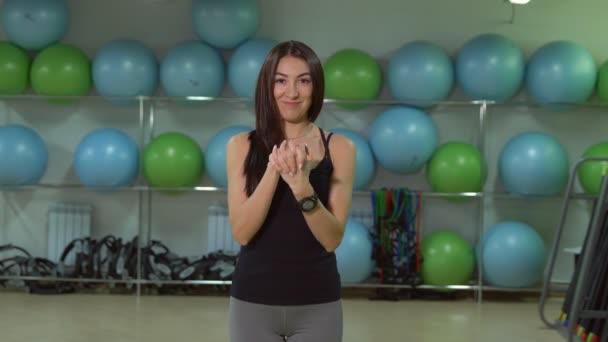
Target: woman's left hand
x=290, y=159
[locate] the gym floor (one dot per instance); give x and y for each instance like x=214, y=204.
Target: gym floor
x=117, y=318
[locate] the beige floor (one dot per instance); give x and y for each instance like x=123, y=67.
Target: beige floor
x=117, y=318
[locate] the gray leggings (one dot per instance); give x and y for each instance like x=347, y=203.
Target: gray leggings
x=266, y=323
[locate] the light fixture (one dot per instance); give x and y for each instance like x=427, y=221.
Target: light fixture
x=519, y=2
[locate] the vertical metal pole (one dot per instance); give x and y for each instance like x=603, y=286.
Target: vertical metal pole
x=482, y=198
x=140, y=195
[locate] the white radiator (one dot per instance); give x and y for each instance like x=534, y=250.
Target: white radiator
x=219, y=234
x=66, y=222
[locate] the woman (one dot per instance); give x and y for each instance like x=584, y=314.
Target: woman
x=289, y=195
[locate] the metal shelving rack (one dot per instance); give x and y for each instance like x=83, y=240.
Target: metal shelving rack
x=147, y=125
x=582, y=278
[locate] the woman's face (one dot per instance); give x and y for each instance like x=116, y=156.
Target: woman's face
x=293, y=88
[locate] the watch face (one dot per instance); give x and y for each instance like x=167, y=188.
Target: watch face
x=308, y=205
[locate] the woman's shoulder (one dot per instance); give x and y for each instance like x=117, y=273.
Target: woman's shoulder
x=238, y=142
x=338, y=143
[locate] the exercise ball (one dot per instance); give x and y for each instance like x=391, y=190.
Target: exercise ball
x=245, y=64
x=534, y=163
x=225, y=23
x=192, y=68
x=513, y=255
x=106, y=157
x=447, y=259
x=35, y=24
x=365, y=164
x=125, y=68
x=560, y=74
x=490, y=67
x=590, y=173
x=352, y=74
x=602, y=82
x=61, y=70
x=23, y=156
x=215, y=154
x=14, y=69
x=403, y=139
x=354, y=254
x=457, y=167
x=420, y=71
x=173, y=159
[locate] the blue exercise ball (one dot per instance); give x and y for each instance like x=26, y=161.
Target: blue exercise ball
x=403, y=139
x=534, y=163
x=561, y=74
x=106, y=157
x=125, y=68
x=245, y=64
x=354, y=254
x=35, y=24
x=490, y=67
x=513, y=255
x=420, y=71
x=225, y=23
x=192, y=68
x=215, y=153
x=365, y=164
x=23, y=156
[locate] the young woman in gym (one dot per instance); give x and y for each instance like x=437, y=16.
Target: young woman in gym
x=289, y=195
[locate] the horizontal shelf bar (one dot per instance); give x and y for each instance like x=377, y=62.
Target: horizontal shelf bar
x=212, y=189
x=228, y=282
x=456, y=102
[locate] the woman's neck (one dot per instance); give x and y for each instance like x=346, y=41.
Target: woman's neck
x=297, y=130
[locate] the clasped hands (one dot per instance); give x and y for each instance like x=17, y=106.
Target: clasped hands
x=293, y=161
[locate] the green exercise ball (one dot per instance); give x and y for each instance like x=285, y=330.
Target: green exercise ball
x=14, y=69
x=61, y=70
x=602, y=82
x=173, y=160
x=352, y=74
x=590, y=173
x=447, y=259
x=456, y=167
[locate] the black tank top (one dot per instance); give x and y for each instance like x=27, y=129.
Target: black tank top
x=284, y=264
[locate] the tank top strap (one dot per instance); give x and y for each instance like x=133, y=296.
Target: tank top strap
x=325, y=141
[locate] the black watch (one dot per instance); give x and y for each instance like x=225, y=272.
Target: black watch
x=309, y=203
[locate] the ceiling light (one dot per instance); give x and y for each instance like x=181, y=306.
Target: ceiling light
x=519, y=2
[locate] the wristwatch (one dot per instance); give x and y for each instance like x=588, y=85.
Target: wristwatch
x=309, y=203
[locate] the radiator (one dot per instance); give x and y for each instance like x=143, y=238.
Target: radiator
x=66, y=222
x=219, y=234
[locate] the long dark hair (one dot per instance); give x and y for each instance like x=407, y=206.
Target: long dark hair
x=268, y=130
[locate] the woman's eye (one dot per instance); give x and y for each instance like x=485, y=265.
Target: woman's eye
x=280, y=81
x=305, y=80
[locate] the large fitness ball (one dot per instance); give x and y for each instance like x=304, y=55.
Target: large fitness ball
x=420, y=71
x=125, y=68
x=225, y=23
x=513, y=255
x=192, y=68
x=490, y=67
x=457, y=167
x=215, y=154
x=365, y=164
x=354, y=254
x=534, y=163
x=61, y=70
x=447, y=259
x=35, y=24
x=403, y=139
x=14, y=69
x=23, y=156
x=106, y=157
x=245, y=64
x=352, y=74
x=173, y=159
x=561, y=72
x=590, y=173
